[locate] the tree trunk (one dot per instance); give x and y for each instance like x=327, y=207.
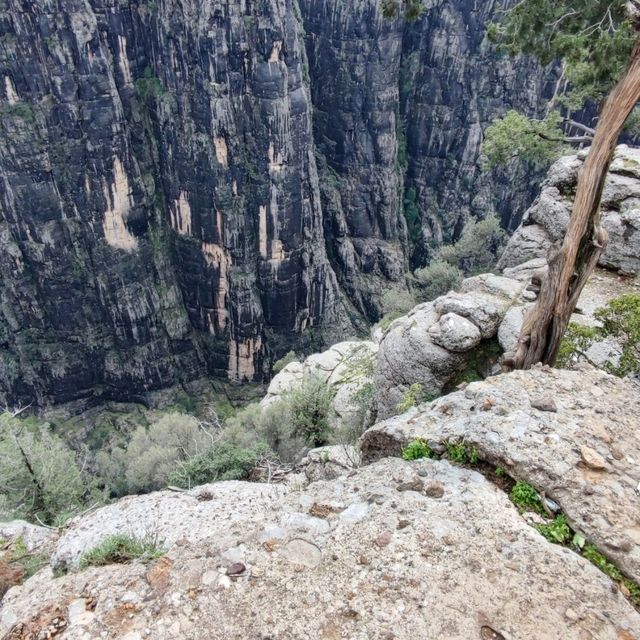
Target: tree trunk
x=584, y=241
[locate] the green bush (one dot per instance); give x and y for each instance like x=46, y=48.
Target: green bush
x=619, y=319
x=418, y=449
x=575, y=343
x=396, y=302
x=478, y=247
x=39, y=475
x=412, y=397
x=461, y=452
x=594, y=556
x=556, y=531
x=288, y=358
x=438, y=278
x=223, y=461
x=120, y=549
x=298, y=420
x=309, y=407
x=154, y=452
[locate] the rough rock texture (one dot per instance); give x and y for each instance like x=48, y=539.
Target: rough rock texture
x=187, y=187
x=547, y=219
x=325, y=463
x=396, y=549
x=547, y=426
x=34, y=538
x=347, y=367
x=435, y=341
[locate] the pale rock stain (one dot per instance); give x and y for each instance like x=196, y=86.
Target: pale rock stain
x=181, y=215
x=222, y=152
x=124, y=60
x=275, y=52
x=262, y=231
x=242, y=358
x=218, y=257
x=10, y=91
x=276, y=162
x=118, y=195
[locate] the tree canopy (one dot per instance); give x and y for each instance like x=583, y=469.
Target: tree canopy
x=591, y=42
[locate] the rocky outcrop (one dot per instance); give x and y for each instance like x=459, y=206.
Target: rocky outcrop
x=347, y=367
x=188, y=186
x=571, y=434
x=396, y=549
x=545, y=222
x=436, y=341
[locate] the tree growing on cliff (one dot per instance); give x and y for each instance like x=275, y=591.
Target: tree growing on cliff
x=39, y=475
x=598, y=45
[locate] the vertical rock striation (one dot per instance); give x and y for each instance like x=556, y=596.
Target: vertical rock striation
x=189, y=187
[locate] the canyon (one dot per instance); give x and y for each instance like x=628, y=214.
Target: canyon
x=193, y=188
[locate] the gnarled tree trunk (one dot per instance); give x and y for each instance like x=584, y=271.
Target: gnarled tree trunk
x=571, y=266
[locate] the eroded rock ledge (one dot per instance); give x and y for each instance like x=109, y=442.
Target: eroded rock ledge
x=394, y=550
x=571, y=434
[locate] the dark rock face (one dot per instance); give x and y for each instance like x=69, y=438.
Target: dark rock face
x=188, y=186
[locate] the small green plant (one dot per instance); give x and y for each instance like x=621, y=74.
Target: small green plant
x=575, y=343
x=500, y=472
x=412, y=397
x=18, y=110
x=594, y=556
x=461, y=452
x=149, y=86
x=437, y=278
x=396, y=302
x=621, y=320
x=526, y=498
x=20, y=556
x=418, y=449
x=120, y=549
x=556, y=531
x=309, y=407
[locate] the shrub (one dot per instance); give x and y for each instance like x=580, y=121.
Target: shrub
x=478, y=246
x=461, y=452
x=620, y=319
x=396, y=302
x=223, y=461
x=288, y=358
x=438, y=278
x=153, y=453
x=39, y=474
x=352, y=426
x=120, y=549
x=309, y=406
x=576, y=342
x=418, y=449
x=300, y=419
x=413, y=396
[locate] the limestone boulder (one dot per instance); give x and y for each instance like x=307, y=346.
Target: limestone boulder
x=546, y=220
x=455, y=333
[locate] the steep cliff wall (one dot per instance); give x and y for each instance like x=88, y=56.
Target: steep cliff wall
x=188, y=185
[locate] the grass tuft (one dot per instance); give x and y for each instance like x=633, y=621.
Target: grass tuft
x=120, y=549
